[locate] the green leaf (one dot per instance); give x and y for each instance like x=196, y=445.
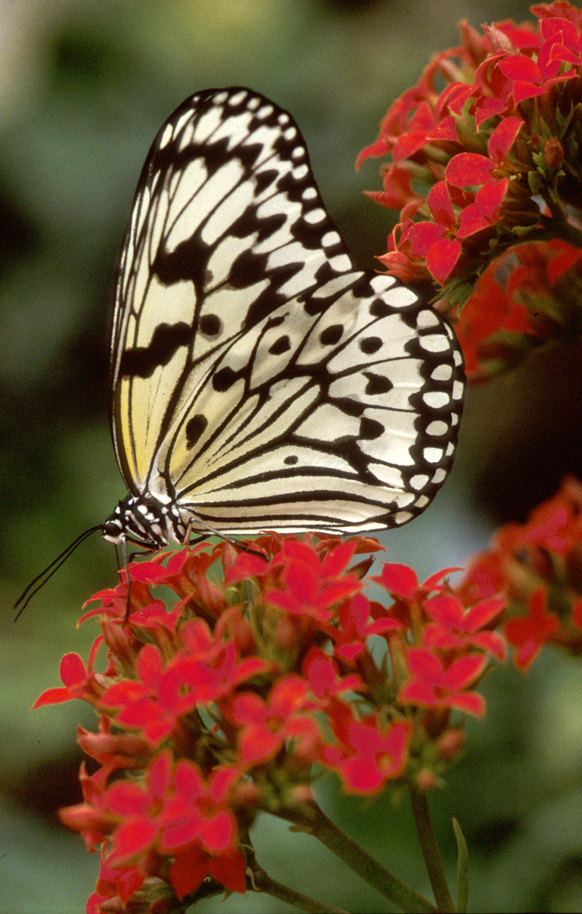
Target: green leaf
x=462, y=869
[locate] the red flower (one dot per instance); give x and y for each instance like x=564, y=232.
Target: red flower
x=78, y=681
x=277, y=672
x=554, y=525
x=548, y=541
x=401, y=581
x=433, y=242
x=407, y=251
x=502, y=132
x=521, y=301
x=355, y=625
x=113, y=751
x=540, y=556
x=181, y=815
x=138, y=809
x=490, y=315
x=529, y=633
x=367, y=752
x=193, y=864
x=265, y=724
x=91, y=818
x=485, y=577
x=160, y=695
x=198, y=810
x=120, y=882
x=435, y=685
x=322, y=674
x=313, y=587
x=455, y=627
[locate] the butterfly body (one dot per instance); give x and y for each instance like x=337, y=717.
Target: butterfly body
x=259, y=381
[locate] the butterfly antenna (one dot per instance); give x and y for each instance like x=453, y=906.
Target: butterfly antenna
x=48, y=572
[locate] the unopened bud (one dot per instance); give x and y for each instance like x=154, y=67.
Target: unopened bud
x=553, y=154
x=499, y=41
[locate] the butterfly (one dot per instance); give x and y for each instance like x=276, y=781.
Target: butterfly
x=257, y=379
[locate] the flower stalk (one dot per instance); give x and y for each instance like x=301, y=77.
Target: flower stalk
x=430, y=850
x=362, y=863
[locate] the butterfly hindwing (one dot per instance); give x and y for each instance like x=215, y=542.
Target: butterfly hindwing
x=258, y=380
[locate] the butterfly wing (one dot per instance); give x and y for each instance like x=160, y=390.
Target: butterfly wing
x=258, y=380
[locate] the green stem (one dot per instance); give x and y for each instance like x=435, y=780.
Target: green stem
x=348, y=850
x=430, y=850
x=262, y=882
x=259, y=881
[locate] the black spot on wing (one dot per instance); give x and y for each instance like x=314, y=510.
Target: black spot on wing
x=283, y=344
x=370, y=344
x=377, y=383
x=210, y=325
x=264, y=179
x=380, y=308
x=224, y=378
x=331, y=335
x=188, y=261
x=349, y=407
x=247, y=225
x=194, y=429
x=325, y=273
x=214, y=154
x=270, y=298
x=142, y=361
x=370, y=429
x=246, y=269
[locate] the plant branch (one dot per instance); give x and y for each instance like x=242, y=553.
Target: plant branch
x=430, y=850
x=362, y=863
x=262, y=882
x=258, y=880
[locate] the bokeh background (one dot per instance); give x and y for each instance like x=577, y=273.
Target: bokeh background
x=84, y=87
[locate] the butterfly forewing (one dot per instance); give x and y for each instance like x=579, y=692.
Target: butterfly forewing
x=258, y=380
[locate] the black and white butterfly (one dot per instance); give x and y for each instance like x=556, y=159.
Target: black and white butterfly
x=258, y=381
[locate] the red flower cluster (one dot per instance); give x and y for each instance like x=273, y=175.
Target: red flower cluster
x=539, y=566
x=219, y=707
x=490, y=160
x=528, y=297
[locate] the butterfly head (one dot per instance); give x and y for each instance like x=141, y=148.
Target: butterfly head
x=146, y=522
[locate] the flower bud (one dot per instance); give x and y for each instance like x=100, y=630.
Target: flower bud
x=426, y=779
x=553, y=154
x=450, y=744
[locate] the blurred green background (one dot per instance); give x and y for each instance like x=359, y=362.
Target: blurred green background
x=84, y=87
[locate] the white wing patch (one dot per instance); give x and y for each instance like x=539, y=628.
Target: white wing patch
x=258, y=381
